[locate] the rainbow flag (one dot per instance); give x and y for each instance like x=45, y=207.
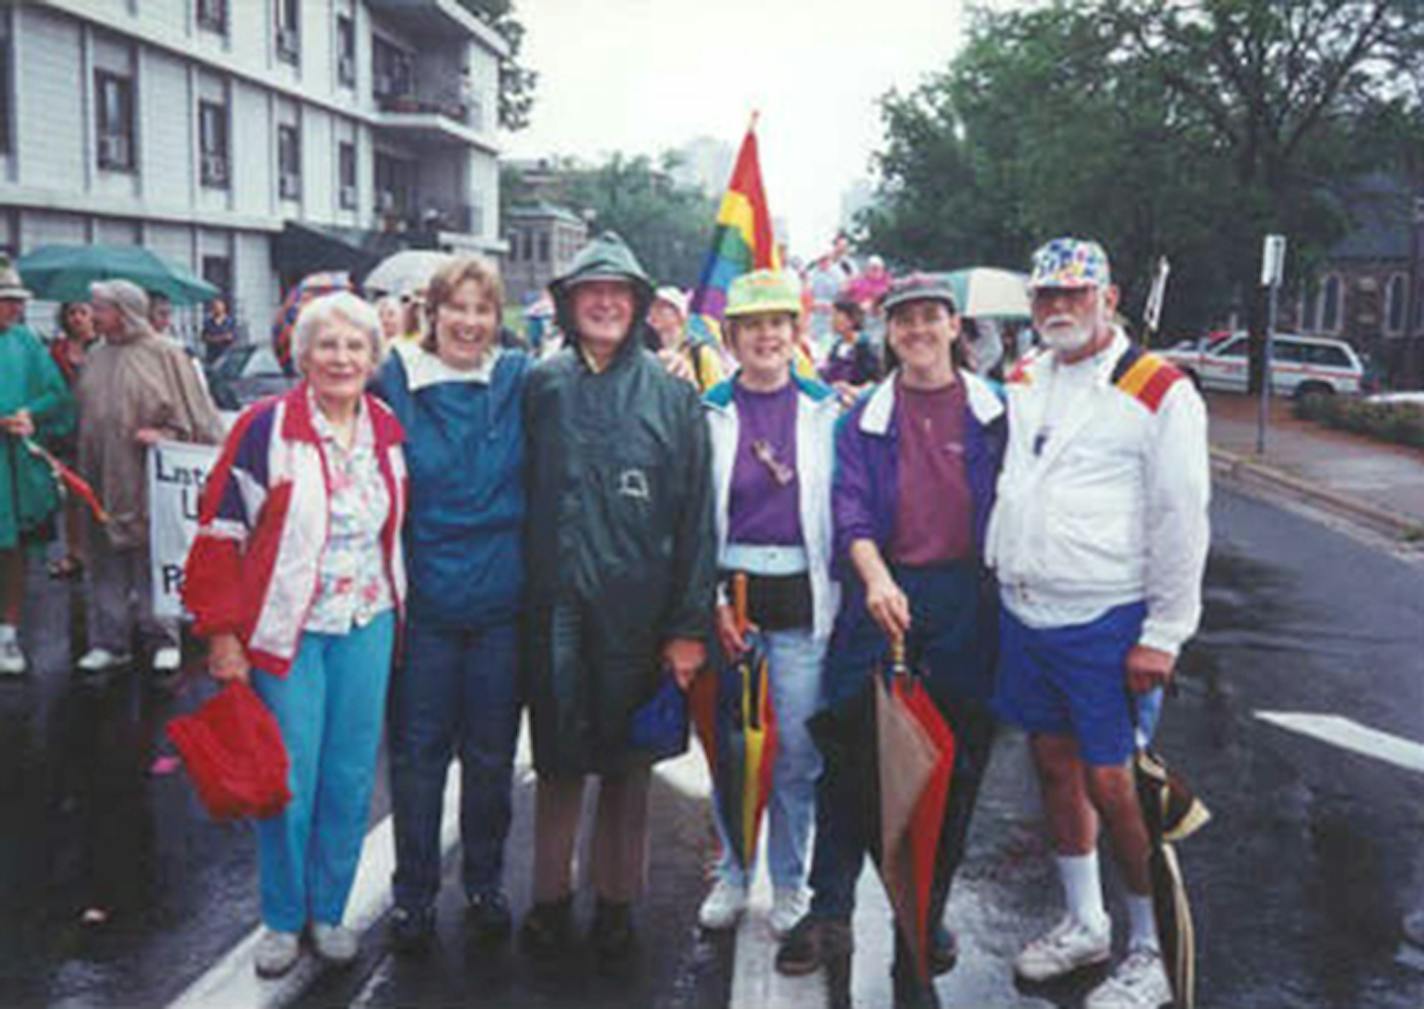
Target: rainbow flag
x=741, y=241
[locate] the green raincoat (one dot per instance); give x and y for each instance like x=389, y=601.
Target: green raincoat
x=29, y=380
x=620, y=543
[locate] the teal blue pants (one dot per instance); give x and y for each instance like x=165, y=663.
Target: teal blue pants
x=330, y=707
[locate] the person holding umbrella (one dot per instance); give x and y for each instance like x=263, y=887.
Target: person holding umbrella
x=1099, y=540
x=34, y=403
x=136, y=389
x=916, y=464
x=773, y=436
x=458, y=395
x=620, y=547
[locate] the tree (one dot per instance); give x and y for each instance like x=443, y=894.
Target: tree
x=1184, y=128
x=516, y=82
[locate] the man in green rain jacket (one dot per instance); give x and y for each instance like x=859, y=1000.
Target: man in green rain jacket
x=620, y=549
x=35, y=404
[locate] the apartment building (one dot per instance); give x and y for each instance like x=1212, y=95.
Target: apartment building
x=249, y=140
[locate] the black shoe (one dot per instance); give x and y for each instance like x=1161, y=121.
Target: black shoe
x=810, y=943
x=546, y=931
x=944, y=950
x=612, y=930
x=487, y=917
x=412, y=930
x=911, y=992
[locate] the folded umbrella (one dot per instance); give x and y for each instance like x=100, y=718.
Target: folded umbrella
x=234, y=753
x=64, y=272
x=736, y=725
x=68, y=481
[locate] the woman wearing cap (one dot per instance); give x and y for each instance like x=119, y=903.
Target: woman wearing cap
x=772, y=453
x=667, y=318
x=296, y=575
x=458, y=396
x=916, y=464
x=136, y=389
x=34, y=404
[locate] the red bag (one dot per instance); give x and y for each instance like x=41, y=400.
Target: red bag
x=234, y=753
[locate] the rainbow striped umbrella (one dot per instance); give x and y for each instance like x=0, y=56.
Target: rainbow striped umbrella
x=312, y=286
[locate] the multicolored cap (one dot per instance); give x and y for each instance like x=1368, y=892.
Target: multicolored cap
x=1070, y=263
x=919, y=287
x=764, y=291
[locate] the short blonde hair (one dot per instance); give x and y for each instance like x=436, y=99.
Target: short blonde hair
x=446, y=280
x=318, y=313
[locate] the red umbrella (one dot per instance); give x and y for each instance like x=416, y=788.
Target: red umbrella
x=234, y=753
x=69, y=481
x=311, y=286
x=915, y=760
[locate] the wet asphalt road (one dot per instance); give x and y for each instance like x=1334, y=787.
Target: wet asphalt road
x=1298, y=885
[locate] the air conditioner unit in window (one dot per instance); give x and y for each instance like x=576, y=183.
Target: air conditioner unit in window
x=288, y=41
x=346, y=69
x=348, y=196
x=114, y=151
x=215, y=169
x=289, y=186
x=382, y=84
x=385, y=201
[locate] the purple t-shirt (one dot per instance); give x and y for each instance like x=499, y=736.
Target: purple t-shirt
x=932, y=522
x=764, y=508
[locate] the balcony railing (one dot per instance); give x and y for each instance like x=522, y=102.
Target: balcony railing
x=466, y=110
x=417, y=213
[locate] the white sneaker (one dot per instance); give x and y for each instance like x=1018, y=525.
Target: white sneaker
x=277, y=952
x=98, y=660
x=12, y=660
x=333, y=943
x=788, y=906
x=1067, y=946
x=1140, y=982
x=723, y=906
x=167, y=659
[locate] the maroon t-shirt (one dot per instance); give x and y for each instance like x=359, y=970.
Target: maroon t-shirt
x=932, y=522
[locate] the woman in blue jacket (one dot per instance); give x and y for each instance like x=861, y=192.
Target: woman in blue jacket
x=457, y=393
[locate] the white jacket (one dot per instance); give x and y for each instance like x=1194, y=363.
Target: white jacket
x=1114, y=509
x=817, y=411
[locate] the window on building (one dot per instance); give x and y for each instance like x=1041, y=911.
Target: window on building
x=390, y=69
x=212, y=144
x=393, y=184
x=1329, y=311
x=289, y=39
x=345, y=51
x=212, y=15
x=114, y=120
x=217, y=270
x=5, y=62
x=543, y=246
x=289, y=162
x=1394, y=304
x=346, y=174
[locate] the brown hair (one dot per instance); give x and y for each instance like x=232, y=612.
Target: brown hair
x=958, y=354
x=446, y=280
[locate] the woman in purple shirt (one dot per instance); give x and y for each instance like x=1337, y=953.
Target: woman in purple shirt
x=916, y=464
x=772, y=436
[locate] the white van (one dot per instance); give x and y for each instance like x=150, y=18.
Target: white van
x=1301, y=365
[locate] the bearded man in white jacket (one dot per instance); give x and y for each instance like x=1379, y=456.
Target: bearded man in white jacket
x=1099, y=540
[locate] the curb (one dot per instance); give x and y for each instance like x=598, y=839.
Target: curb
x=1248, y=473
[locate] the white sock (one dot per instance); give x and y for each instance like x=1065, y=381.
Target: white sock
x=7, y=633
x=1083, y=889
x=1143, y=924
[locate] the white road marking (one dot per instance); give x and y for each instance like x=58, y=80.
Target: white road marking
x=1351, y=735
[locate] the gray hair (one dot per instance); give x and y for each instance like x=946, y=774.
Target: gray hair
x=131, y=301
x=319, y=313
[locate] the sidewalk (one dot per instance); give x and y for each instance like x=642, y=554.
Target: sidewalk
x=1379, y=483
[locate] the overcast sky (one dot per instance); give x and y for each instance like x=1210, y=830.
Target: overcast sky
x=641, y=76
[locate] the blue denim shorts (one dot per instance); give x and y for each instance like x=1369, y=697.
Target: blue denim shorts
x=1070, y=681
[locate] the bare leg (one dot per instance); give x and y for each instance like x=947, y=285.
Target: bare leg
x=12, y=585
x=1071, y=820
x=1115, y=798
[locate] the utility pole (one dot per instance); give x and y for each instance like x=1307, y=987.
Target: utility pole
x=1273, y=268
x=1413, y=366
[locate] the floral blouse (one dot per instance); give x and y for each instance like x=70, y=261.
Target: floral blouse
x=353, y=588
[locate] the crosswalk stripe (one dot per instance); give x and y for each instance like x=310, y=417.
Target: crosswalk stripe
x=1351, y=735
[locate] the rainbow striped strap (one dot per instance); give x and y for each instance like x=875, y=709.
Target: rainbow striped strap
x=1145, y=377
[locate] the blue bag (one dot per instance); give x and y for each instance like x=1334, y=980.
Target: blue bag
x=659, y=726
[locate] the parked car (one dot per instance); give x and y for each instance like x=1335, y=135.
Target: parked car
x=244, y=374
x=1301, y=365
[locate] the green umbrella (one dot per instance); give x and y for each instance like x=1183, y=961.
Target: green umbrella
x=64, y=273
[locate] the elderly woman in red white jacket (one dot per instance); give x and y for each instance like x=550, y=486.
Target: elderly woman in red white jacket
x=297, y=579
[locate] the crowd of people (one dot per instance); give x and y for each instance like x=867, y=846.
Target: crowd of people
x=434, y=531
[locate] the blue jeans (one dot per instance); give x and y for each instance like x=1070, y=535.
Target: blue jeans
x=329, y=707
x=944, y=640
x=455, y=695
x=794, y=659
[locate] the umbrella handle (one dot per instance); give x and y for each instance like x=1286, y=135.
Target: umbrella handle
x=739, y=600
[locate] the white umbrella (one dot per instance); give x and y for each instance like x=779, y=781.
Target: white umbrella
x=406, y=271
x=986, y=291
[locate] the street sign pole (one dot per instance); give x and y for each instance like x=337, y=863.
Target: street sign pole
x=1273, y=261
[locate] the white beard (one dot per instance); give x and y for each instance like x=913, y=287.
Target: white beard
x=1066, y=334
